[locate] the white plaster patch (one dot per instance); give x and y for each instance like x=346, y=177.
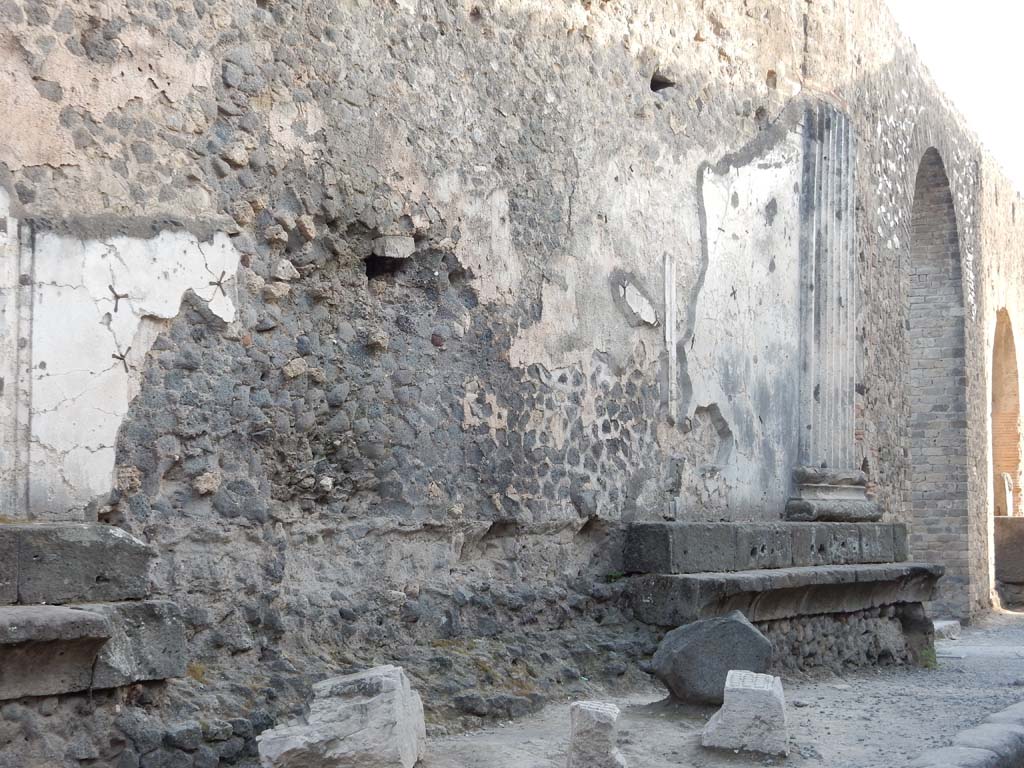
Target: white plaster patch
x=744, y=353
x=97, y=307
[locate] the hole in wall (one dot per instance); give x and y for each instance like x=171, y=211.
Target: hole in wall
x=771, y=79
x=659, y=82
x=380, y=266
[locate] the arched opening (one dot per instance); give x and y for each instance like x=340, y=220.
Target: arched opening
x=1005, y=421
x=1008, y=525
x=937, y=387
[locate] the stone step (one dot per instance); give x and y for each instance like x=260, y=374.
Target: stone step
x=58, y=563
x=47, y=649
x=675, y=548
x=669, y=600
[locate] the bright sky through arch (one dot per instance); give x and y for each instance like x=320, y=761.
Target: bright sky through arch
x=975, y=52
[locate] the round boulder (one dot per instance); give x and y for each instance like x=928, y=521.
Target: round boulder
x=694, y=659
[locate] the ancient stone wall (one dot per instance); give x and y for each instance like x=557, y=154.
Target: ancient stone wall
x=344, y=458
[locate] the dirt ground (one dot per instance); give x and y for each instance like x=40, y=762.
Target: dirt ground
x=869, y=719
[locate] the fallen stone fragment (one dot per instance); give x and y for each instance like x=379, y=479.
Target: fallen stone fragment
x=394, y=246
x=592, y=741
x=947, y=629
x=694, y=660
x=957, y=757
x=753, y=716
x=371, y=719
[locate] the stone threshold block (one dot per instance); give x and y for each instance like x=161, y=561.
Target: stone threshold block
x=48, y=649
x=679, y=547
x=752, y=717
x=58, y=563
x=669, y=600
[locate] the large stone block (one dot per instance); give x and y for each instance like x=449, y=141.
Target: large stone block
x=592, y=740
x=372, y=719
x=147, y=643
x=76, y=562
x=47, y=649
x=752, y=717
x=694, y=660
x=680, y=548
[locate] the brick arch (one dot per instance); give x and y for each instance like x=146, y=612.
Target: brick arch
x=937, y=386
x=1005, y=418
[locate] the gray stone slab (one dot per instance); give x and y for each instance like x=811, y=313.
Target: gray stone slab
x=147, y=642
x=47, y=650
x=678, y=547
x=763, y=546
x=833, y=510
x=876, y=543
x=647, y=548
x=78, y=562
x=668, y=600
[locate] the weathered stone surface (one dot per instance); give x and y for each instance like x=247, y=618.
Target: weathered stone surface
x=694, y=660
x=147, y=642
x=1005, y=739
x=394, y=247
x=752, y=717
x=592, y=740
x=669, y=600
x=69, y=562
x=833, y=510
x=826, y=476
x=45, y=650
x=371, y=719
x=1009, y=544
x=957, y=757
x=680, y=547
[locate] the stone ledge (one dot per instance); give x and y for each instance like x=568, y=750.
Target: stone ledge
x=47, y=649
x=668, y=600
x=147, y=643
x=57, y=563
x=712, y=547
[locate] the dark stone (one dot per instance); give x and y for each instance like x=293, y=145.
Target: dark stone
x=187, y=735
x=694, y=659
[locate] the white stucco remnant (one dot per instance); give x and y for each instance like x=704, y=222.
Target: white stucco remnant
x=84, y=314
x=743, y=357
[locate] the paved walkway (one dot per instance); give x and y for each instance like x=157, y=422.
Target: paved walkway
x=872, y=719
